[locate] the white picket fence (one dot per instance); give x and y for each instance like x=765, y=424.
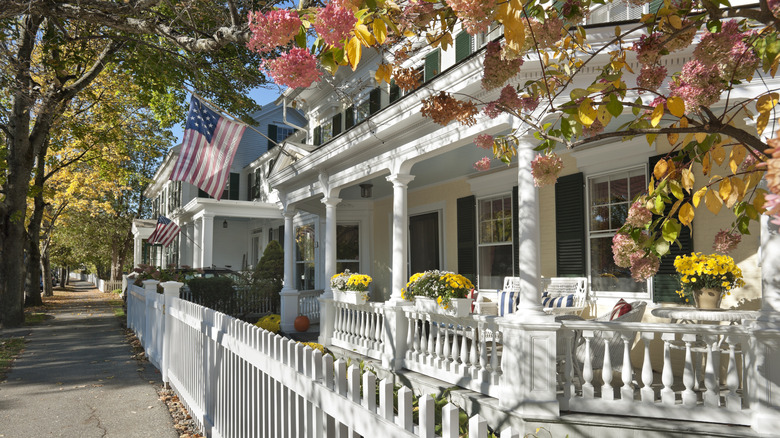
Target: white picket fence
x=240, y=381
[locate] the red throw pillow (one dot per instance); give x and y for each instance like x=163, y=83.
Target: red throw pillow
x=620, y=309
x=473, y=295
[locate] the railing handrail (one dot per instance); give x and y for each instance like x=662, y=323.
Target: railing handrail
x=655, y=327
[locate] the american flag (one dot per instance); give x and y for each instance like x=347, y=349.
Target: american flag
x=209, y=145
x=164, y=233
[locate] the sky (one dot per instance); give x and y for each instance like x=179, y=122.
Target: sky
x=262, y=96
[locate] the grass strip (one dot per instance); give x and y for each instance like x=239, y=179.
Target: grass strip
x=10, y=348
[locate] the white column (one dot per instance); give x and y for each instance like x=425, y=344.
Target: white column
x=207, y=240
x=400, y=234
x=137, y=250
x=529, y=234
x=196, y=253
x=330, y=242
x=289, y=295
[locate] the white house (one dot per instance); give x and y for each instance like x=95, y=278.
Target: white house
x=233, y=232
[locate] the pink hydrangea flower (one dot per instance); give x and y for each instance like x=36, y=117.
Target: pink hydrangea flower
x=643, y=266
x=728, y=51
x=476, y=15
x=726, y=241
x=638, y=215
x=272, y=29
x=774, y=7
x=648, y=48
x=483, y=164
x=622, y=248
x=492, y=110
x=484, y=141
x=416, y=13
x=545, y=35
x=296, y=68
x=545, y=169
x=698, y=85
x=334, y=23
x=651, y=77
x=497, y=69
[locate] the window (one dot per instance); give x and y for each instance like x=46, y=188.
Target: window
x=462, y=46
x=424, y=242
x=362, y=111
x=278, y=134
x=304, y=257
x=432, y=65
x=609, y=197
x=348, y=248
x=257, y=250
x=494, y=252
x=174, y=195
x=327, y=131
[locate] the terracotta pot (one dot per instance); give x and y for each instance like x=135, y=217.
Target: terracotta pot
x=301, y=323
x=707, y=298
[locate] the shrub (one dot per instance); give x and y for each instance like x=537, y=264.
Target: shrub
x=216, y=293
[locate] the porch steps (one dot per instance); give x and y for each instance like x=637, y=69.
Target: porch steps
x=573, y=425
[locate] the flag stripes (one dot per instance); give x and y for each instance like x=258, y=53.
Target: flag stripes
x=164, y=233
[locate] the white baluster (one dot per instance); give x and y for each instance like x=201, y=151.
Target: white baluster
x=417, y=336
x=711, y=377
x=455, y=354
x=446, y=359
x=607, y=391
x=473, y=354
x=379, y=323
x=432, y=331
x=439, y=343
x=688, y=396
x=648, y=393
x=568, y=383
x=733, y=401
x=424, y=339
x=482, y=349
x=410, y=335
x=464, y=350
x=667, y=378
x=627, y=390
x=494, y=353
x=587, y=368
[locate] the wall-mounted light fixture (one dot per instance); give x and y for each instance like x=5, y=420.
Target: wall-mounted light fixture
x=224, y=224
x=365, y=190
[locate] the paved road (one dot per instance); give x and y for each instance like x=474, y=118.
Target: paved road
x=77, y=377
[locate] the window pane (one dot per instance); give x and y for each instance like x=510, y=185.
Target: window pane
x=599, y=193
x=599, y=219
x=304, y=239
x=618, y=190
x=618, y=214
x=347, y=242
x=637, y=185
x=495, y=263
x=352, y=266
x=495, y=220
x=486, y=232
x=605, y=274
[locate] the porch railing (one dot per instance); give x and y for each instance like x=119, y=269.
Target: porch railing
x=309, y=305
x=359, y=328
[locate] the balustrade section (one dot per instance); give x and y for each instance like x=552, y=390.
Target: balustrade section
x=309, y=305
x=359, y=327
x=699, y=368
x=461, y=351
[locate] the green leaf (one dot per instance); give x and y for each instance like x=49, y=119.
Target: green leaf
x=614, y=106
x=636, y=110
x=658, y=206
x=566, y=128
x=743, y=224
x=713, y=26
x=300, y=39
x=676, y=189
x=671, y=230
x=662, y=247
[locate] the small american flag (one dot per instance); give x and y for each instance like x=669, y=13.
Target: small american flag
x=164, y=233
x=208, y=147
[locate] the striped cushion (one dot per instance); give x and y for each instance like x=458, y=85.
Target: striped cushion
x=561, y=301
x=620, y=309
x=507, y=302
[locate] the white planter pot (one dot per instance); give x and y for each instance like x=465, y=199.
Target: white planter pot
x=349, y=297
x=459, y=307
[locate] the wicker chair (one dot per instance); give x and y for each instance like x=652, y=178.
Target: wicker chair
x=615, y=342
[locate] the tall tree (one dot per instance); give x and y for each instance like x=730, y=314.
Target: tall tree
x=52, y=51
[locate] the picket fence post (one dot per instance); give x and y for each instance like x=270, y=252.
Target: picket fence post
x=150, y=289
x=170, y=291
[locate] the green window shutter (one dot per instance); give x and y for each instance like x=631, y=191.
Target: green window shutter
x=250, y=187
x=395, y=91
x=515, y=233
x=432, y=65
x=235, y=182
x=462, y=46
x=202, y=194
x=665, y=281
x=375, y=101
x=349, y=117
x=337, y=124
x=271, y=136
x=570, y=238
x=318, y=136
x=467, y=237
x=655, y=5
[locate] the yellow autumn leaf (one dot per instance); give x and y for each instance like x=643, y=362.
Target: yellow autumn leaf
x=687, y=179
x=683, y=122
x=586, y=113
x=698, y=195
x=724, y=189
x=714, y=203
x=658, y=112
x=383, y=73
x=759, y=200
x=380, y=31
x=718, y=154
x=686, y=214
x=706, y=165
x=603, y=115
x=736, y=157
x=676, y=105
x=672, y=137
x=740, y=188
x=354, y=52
x=675, y=21
x=765, y=103
x=700, y=137
x=650, y=138
x=660, y=169
x=753, y=178
x=761, y=122
x=676, y=189
x=365, y=37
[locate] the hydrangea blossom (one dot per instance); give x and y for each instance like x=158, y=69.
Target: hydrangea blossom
x=728, y=51
x=622, y=248
x=272, y=29
x=678, y=39
x=483, y=164
x=726, y=241
x=643, y=266
x=334, y=23
x=638, y=215
x=415, y=14
x=651, y=77
x=545, y=169
x=296, y=68
x=497, y=69
x=484, y=141
x=544, y=34
x=698, y=85
x=476, y=15
x=772, y=206
x=648, y=48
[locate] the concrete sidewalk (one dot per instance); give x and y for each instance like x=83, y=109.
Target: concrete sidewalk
x=77, y=377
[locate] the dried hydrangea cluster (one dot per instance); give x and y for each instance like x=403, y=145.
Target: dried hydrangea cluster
x=296, y=68
x=483, y=164
x=416, y=14
x=638, y=215
x=476, y=15
x=544, y=34
x=484, y=141
x=545, y=169
x=443, y=108
x=334, y=23
x=644, y=265
x=622, y=248
x=407, y=79
x=509, y=101
x=272, y=29
x=498, y=70
x=698, y=85
x=729, y=51
x=726, y=241
x=651, y=77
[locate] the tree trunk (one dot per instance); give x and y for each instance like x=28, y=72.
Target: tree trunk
x=48, y=287
x=64, y=277
x=32, y=292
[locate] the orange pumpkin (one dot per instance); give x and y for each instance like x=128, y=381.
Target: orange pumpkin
x=301, y=323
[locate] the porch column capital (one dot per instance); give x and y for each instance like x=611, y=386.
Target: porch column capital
x=400, y=179
x=331, y=202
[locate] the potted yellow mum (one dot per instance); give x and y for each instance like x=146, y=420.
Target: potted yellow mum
x=350, y=288
x=439, y=292
x=707, y=278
